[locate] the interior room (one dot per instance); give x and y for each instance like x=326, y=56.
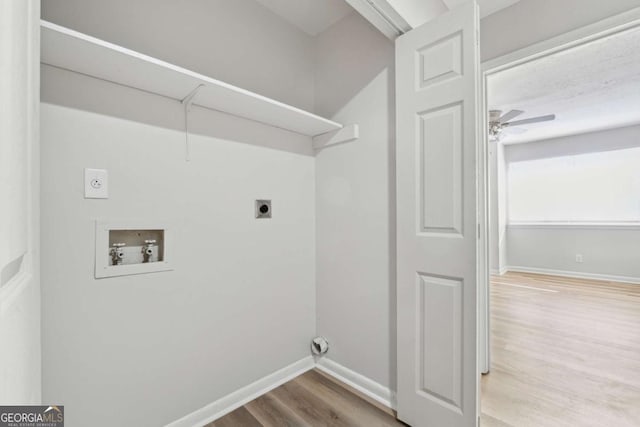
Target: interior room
x=285, y=212
x=564, y=220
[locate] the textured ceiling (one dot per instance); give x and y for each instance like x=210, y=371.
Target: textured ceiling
x=311, y=16
x=590, y=87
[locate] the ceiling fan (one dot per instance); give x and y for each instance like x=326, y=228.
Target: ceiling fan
x=499, y=123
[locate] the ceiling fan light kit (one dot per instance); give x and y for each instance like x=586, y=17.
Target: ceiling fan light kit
x=499, y=123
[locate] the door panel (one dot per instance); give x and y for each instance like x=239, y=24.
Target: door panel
x=437, y=95
x=440, y=350
x=441, y=170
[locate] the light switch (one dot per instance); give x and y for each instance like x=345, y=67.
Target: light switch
x=96, y=184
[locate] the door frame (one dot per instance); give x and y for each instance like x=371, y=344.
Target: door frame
x=581, y=36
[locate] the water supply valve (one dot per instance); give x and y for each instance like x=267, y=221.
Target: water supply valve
x=117, y=253
x=148, y=250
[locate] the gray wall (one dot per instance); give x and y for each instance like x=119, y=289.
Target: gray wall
x=355, y=200
x=612, y=253
x=532, y=21
x=606, y=251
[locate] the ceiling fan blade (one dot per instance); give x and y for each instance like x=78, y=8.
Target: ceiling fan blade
x=514, y=131
x=510, y=115
x=494, y=115
x=531, y=120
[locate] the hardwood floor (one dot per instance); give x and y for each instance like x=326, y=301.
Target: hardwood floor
x=565, y=352
x=308, y=400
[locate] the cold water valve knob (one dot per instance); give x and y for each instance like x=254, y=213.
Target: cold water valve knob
x=148, y=250
x=117, y=253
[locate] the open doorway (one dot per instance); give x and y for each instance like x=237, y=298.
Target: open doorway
x=563, y=299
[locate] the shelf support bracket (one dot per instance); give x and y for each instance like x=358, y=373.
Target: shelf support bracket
x=187, y=102
x=346, y=134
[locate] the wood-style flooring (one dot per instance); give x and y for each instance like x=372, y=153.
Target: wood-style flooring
x=565, y=352
x=308, y=400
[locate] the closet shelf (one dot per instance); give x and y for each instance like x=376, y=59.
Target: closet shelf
x=80, y=53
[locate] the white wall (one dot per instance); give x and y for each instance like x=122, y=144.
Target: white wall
x=502, y=182
x=238, y=41
x=609, y=252
x=240, y=303
x=497, y=208
x=592, y=142
x=531, y=21
x=355, y=200
x=20, y=382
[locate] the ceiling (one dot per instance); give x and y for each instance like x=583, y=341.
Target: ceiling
x=311, y=16
x=315, y=16
x=591, y=87
x=488, y=7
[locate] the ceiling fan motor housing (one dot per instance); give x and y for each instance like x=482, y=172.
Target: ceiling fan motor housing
x=498, y=122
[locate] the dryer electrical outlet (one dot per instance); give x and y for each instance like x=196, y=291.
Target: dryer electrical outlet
x=263, y=209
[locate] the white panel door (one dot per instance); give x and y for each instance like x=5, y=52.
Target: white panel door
x=19, y=202
x=437, y=83
x=14, y=108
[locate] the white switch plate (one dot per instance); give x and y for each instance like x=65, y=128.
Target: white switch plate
x=96, y=184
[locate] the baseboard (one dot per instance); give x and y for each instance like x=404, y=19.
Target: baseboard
x=369, y=388
x=574, y=274
x=362, y=384
x=496, y=272
x=245, y=395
